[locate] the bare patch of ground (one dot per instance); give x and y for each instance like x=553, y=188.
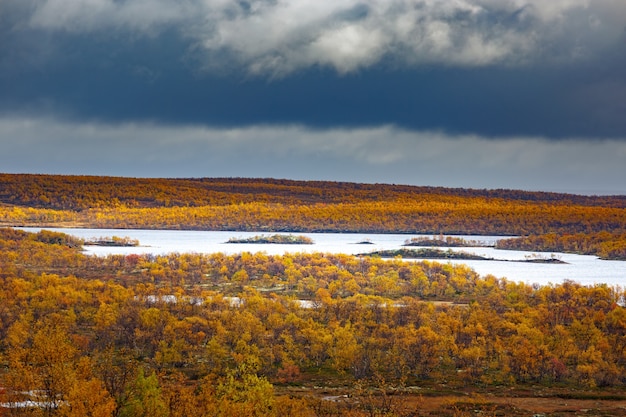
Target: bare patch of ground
x=512, y=403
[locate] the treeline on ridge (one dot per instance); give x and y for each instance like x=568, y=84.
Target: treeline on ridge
x=68, y=192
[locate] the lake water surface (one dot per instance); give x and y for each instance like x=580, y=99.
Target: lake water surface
x=584, y=269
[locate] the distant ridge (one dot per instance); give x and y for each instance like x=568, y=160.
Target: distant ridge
x=74, y=192
x=545, y=221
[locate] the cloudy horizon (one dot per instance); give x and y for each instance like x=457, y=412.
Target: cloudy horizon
x=523, y=94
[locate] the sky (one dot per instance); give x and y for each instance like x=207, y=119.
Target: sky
x=518, y=94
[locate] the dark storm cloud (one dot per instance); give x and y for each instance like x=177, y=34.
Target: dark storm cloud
x=490, y=101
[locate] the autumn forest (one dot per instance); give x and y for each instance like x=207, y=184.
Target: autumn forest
x=299, y=334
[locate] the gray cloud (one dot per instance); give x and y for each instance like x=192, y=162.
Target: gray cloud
x=94, y=15
x=468, y=93
x=380, y=154
x=275, y=38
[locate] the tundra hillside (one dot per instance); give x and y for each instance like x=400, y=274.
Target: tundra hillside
x=548, y=221
x=300, y=335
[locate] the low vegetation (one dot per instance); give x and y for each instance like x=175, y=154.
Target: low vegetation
x=606, y=245
x=301, y=334
x=119, y=335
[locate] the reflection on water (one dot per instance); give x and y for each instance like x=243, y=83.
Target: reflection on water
x=581, y=268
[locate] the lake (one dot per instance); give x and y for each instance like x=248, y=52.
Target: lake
x=584, y=269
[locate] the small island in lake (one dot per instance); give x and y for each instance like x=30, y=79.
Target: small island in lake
x=276, y=239
x=448, y=241
x=112, y=241
x=426, y=253
x=542, y=259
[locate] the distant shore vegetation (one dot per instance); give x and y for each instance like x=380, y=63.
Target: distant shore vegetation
x=546, y=222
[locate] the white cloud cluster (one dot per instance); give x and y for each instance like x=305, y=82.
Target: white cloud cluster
x=281, y=36
x=379, y=154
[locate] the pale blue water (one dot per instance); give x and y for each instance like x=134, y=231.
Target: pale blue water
x=584, y=269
